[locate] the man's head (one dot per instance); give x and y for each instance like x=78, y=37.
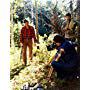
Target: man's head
x=26, y=22
x=58, y=39
x=68, y=16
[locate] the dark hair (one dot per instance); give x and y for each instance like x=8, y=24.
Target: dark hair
x=59, y=39
x=25, y=21
x=68, y=14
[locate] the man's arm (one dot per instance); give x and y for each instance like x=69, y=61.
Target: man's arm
x=50, y=60
x=57, y=58
x=33, y=35
x=21, y=36
x=59, y=54
x=51, y=69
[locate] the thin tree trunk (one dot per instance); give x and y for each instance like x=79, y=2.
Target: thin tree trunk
x=36, y=20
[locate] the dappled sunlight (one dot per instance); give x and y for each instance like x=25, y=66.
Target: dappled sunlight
x=47, y=18
x=35, y=70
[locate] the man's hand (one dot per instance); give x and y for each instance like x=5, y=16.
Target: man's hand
x=21, y=44
x=36, y=41
x=47, y=66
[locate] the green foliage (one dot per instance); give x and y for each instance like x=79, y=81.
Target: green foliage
x=35, y=70
x=17, y=38
x=49, y=16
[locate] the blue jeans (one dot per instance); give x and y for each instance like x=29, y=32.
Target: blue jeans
x=62, y=69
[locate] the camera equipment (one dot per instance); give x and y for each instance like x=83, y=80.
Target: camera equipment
x=37, y=86
x=51, y=47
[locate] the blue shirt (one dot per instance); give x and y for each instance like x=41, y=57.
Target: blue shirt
x=69, y=56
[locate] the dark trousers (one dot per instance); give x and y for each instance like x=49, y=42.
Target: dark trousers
x=63, y=70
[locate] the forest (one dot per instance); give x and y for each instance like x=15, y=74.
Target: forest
x=47, y=17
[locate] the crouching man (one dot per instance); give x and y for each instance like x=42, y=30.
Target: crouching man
x=65, y=61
